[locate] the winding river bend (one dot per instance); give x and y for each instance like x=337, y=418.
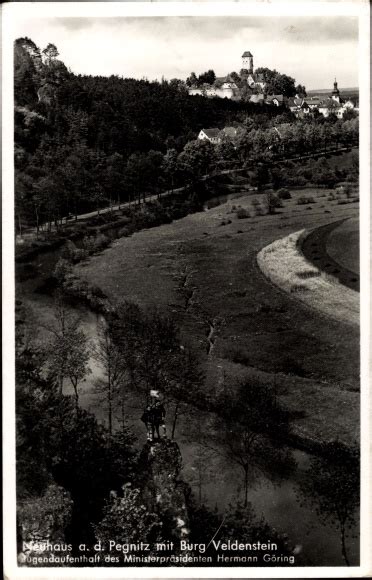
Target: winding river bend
x=219, y=482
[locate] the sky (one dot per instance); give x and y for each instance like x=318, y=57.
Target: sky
x=314, y=50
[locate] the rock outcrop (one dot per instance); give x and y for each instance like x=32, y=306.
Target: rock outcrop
x=162, y=489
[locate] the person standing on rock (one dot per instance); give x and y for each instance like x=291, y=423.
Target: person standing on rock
x=158, y=411
x=154, y=416
x=147, y=419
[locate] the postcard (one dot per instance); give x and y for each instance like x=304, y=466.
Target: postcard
x=186, y=289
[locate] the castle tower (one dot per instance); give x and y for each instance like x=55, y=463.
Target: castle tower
x=247, y=61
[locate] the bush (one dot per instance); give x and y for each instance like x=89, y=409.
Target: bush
x=260, y=211
x=124, y=232
x=242, y=213
x=273, y=202
x=304, y=200
x=78, y=255
x=101, y=242
x=97, y=292
x=332, y=196
x=283, y=193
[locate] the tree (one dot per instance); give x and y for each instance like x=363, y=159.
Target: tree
x=77, y=360
x=112, y=362
x=49, y=514
x=260, y=176
x=114, y=177
x=184, y=385
x=67, y=352
x=208, y=77
x=277, y=83
x=273, y=202
x=26, y=59
x=170, y=166
x=89, y=464
x=50, y=53
x=331, y=487
x=192, y=80
x=301, y=91
x=136, y=174
x=251, y=424
x=237, y=523
x=235, y=78
x=226, y=151
x=196, y=159
x=126, y=520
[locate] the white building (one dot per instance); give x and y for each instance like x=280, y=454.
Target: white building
x=211, y=135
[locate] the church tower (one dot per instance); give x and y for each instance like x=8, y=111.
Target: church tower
x=247, y=61
x=335, y=93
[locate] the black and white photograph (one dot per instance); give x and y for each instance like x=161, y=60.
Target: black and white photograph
x=184, y=188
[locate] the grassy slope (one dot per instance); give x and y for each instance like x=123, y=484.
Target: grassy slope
x=206, y=274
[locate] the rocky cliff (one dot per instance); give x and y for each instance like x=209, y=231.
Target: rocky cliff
x=162, y=489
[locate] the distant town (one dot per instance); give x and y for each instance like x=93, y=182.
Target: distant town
x=256, y=87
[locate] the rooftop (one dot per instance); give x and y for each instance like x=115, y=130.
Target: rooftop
x=211, y=133
x=246, y=54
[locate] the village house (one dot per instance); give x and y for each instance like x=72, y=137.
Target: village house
x=325, y=105
x=294, y=104
x=276, y=100
x=216, y=136
x=258, y=99
x=211, y=135
x=227, y=90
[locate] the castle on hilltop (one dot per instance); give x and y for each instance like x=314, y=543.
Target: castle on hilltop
x=227, y=87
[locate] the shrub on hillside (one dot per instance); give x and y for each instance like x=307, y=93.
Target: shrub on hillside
x=260, y=211
x=242, y=213
x=283, y=193
x=273, y=202
x=304, y=200
x=124, y=232
x=101, y=242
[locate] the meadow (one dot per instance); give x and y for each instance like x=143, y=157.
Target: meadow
x=203, y=269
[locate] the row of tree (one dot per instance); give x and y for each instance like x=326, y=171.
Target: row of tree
x=68, y=180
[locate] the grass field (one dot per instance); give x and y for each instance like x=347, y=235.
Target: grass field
x=203, y=270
